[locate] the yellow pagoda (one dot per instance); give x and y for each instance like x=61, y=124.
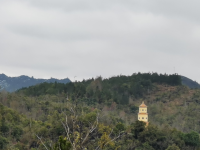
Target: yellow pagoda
x=143, y=115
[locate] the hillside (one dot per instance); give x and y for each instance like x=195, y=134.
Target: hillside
x=116, y=100
x=168, y=100
x=14, y=129
x=12, y=84
x=190, y=83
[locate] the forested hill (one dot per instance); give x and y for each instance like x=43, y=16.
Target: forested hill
x=118, y=88
x=102, y=114
x=12, y=84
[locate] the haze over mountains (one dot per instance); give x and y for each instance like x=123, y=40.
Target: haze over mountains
x=12, y=84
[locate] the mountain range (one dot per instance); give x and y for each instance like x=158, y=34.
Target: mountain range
x=12, y=84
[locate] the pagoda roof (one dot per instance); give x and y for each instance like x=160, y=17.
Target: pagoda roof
x=143, y=105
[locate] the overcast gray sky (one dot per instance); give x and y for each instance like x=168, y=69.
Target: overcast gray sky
x=89, y=38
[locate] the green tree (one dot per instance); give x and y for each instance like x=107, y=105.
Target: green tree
x=146, y=146
x=154, y=136
x=4, y=126
x=62, y=144
x=3, y=142
x=138, y=127
x=191, y=139
x=173, y=147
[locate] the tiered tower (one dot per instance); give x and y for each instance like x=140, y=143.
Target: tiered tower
x=143, y=115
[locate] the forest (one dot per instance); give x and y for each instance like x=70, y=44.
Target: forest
x=101, y=114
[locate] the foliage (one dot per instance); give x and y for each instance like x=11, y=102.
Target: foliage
x=173, y=147
x=62, y=144
x=191, y=139
x=117, y=89
x=107, y=106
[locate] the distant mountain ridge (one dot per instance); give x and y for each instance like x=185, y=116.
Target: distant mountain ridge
x=190, y=83
x=12, y=84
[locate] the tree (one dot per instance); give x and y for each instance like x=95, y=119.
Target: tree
x=138, y=127
x=146, y=146
x=153, y=136
x=191, y=139
x=83, y=130
x=62, y=144
x=3, y=142
x=173, y=147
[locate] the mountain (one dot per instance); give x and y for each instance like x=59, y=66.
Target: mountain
x=190, y=83
x=12, y=84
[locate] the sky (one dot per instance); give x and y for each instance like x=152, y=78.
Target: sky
x=81, y=39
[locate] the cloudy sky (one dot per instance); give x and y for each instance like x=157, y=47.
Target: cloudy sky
x=88, y=38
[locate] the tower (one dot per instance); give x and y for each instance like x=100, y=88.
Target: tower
x=143, y=115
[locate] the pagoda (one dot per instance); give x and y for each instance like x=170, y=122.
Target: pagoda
x=143, y=115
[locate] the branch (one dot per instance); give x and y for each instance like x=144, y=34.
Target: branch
x=115, y=138
x=72, y=110
x=97, y=148
x=41, y=142
x=97, y=122
x=67, y=130
x=112, y=139
x=92, y=128
x=110, y=132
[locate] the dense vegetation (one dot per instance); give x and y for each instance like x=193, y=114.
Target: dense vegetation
x=117, y=89
x=102, y=114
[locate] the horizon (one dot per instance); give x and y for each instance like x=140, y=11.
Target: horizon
x=91, y=77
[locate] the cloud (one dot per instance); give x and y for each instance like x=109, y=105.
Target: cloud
x=61, y=39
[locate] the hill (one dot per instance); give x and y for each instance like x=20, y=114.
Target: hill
x=190, y=83
x=114, y=103
x=12, y=84
x=169, y=101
